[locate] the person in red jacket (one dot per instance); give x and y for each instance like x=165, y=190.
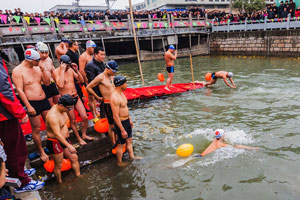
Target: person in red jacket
x=297, y=12
x=11, y=115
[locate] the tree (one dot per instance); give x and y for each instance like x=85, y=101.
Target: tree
x=249, y=6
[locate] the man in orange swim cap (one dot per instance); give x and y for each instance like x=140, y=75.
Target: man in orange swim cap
x=57, y=136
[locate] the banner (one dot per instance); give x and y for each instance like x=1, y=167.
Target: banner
x=66, y=21
x=4, y=18
x=56, y=20
x=17, y=18
x=82, y=22
x=27, y=19
x=48, y=20
x=38, y=20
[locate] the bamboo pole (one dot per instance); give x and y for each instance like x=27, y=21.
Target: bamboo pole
x=135, y=41
x=191, y=61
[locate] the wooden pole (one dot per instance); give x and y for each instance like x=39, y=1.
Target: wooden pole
x=192, y=70
x=191, y=61
x=135, y=41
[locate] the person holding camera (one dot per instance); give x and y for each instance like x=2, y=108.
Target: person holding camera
x=64, y=77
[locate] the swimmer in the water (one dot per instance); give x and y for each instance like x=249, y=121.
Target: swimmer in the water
x=221, y=74
x=169, y=58
x=220, y=142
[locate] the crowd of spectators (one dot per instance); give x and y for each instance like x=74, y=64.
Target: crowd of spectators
x=284, y=10
x=90, y=15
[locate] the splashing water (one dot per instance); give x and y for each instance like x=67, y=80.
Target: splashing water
x=232, y=135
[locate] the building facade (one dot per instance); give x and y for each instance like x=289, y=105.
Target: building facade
x=75, y=7
x=185, y=4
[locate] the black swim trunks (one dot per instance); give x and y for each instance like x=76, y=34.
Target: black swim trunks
x=108, y=113
x=40, y=106
x=56, y=147
x=127, y=126
x=213, y=76
x=75, y=99
x=170, y=69
x=50, y=90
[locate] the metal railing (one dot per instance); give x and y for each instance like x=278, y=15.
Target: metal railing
x=56, y=26
x=255, y=25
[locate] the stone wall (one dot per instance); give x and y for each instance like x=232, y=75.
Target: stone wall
x=267, y=43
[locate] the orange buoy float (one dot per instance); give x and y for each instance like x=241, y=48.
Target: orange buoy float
x=101, y=126
x=114, y=150
x=161, y=77
x=49, y=165
x=84, y=91
x=185, y=150
x=68, y=123
x=208, y=76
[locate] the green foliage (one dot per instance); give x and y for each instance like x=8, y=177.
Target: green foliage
x=249, y=6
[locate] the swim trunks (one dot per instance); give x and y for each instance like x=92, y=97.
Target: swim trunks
x=108, y=112
x=75, y=99
x=40, y=106
x=50, y=90
x=213, y=76
x=55, y=147
x=170, y=69
x=127, y=126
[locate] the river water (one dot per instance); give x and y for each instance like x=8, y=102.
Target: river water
x=263, y=111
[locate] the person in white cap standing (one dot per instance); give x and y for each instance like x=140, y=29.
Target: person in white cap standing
x=27, y=78
x=221, y=74
x=84, y=59
x=51, y=91
x=219, y=142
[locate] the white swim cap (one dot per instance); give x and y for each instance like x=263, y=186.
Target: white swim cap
x=38, y=44
x=31, y=54
x=230, y=74
x=219, y=133
x=43, y=48
x=90, y=43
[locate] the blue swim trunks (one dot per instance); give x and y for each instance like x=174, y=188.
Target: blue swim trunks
x=170, y=69
x=213, y=76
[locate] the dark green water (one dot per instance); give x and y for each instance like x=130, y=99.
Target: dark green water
x=262, y=111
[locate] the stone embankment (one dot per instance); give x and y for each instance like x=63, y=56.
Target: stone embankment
x=263, y=43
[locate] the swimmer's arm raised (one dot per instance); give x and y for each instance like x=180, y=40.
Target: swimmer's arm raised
x=173, y=57
x=60, y=50
x=93, y=84
x=59, y=78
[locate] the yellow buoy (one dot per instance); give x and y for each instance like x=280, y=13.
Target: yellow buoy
x=185, y=150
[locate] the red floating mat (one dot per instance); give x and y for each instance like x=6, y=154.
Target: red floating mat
x=148, y=92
